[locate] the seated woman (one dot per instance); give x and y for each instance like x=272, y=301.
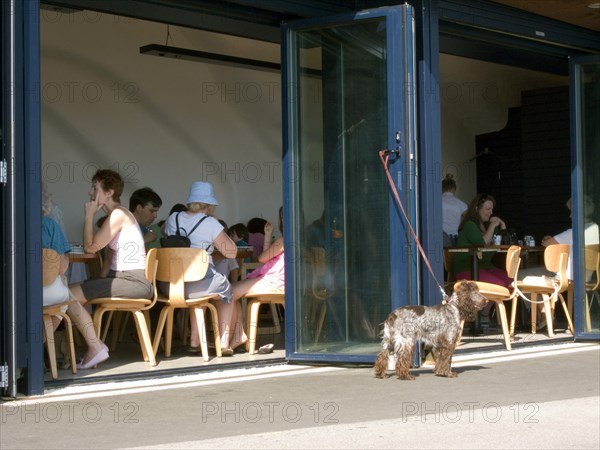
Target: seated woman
x=477, y=229
x=270, y=277
x=126, y=277
x=209, y=235
x=256, y=235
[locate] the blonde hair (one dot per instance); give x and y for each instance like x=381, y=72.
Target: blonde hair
x=196, y=207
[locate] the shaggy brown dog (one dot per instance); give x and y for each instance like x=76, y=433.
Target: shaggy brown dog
x=437, y=326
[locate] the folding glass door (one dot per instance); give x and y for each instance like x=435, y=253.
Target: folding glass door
x=348, y=94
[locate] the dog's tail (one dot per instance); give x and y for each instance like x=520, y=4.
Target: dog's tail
x=386, y=336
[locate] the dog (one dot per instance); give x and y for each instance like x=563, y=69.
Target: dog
x=437, y=326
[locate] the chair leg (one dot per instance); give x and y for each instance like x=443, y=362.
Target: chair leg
x=199, y=316
x=69, y=327
x=252, y=325
x=144, y=337
x=215, y=325
x=588, y=313
x=49, y=333
x=567, y=314
x=504, y=322
x=275, y=314
x=513, y=315
x=159, y=330
x=321, y=320
x=533, y=305
x=549, y=308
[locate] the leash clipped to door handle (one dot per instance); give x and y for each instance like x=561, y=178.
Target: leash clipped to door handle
x=387, y=152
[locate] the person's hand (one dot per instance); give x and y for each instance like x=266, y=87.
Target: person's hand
x=92, y=207
x=497, y=222
x=268, y=228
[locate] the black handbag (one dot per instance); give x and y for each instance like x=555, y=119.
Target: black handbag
x=178, y=239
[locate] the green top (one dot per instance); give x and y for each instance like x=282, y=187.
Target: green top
x=470, y=235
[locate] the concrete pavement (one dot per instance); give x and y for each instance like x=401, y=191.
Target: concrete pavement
x=538, y=397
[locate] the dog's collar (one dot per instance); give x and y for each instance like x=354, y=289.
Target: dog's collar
x=449, y=300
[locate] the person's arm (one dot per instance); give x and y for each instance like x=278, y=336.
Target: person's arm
x=92, y=243
x=225, y=245
x=495, y=222
x=548, y=240
x=270, y=248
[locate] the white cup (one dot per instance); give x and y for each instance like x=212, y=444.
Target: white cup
x=497, y=239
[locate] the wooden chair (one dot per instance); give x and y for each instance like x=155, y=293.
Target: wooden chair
x=245, y=268
x=138, y=307
x=51, y=270
x=555, y=259
x=592, y=264
x=320, y=289
x=254, y=302
x=177, y=266
x=500, y=294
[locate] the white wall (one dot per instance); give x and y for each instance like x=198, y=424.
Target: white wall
x=161, y=122
x=165, y=123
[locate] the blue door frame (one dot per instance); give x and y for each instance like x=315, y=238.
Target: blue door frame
x=21, y=199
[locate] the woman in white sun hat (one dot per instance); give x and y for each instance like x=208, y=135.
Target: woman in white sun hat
x=208, y=235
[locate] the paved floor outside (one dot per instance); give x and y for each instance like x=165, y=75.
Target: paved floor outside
x=533, y=397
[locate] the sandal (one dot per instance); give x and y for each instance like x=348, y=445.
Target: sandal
x=266, y=349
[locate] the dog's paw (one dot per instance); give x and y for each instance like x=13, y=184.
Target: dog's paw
x=447, y=374
x=408, y=377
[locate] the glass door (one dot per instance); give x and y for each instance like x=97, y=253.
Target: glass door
x=585, y=116
x=348, y=95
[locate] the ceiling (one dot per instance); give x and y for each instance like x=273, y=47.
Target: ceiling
x=575, y=12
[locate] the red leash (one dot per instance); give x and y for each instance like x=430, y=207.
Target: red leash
x=384, y=156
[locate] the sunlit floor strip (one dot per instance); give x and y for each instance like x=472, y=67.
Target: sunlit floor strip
x=175, y=382
x=521, y=353
x=231, y=376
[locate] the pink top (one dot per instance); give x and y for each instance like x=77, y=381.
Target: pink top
x=272, y=272
x=256, y=240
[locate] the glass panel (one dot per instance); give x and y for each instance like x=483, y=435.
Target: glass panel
x=589, y=81
x=343, y=196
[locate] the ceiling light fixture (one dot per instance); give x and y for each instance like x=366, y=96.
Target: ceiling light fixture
x=595, y=5
x=196, y=55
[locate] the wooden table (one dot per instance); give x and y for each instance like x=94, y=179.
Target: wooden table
x=476, y=252
x=93, y=262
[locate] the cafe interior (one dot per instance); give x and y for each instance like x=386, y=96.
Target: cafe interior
x=167, y=122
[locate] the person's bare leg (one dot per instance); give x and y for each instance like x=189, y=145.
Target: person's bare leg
x=225, y=313
x=237, y=326
x=83, y=321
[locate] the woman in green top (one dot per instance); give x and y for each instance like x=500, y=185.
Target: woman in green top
x=477, y=229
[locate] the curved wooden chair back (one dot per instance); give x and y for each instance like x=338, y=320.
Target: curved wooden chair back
x=556, y=258
x=177, y=266
x=592, y=264
x=513, y=260
x=50, y=266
